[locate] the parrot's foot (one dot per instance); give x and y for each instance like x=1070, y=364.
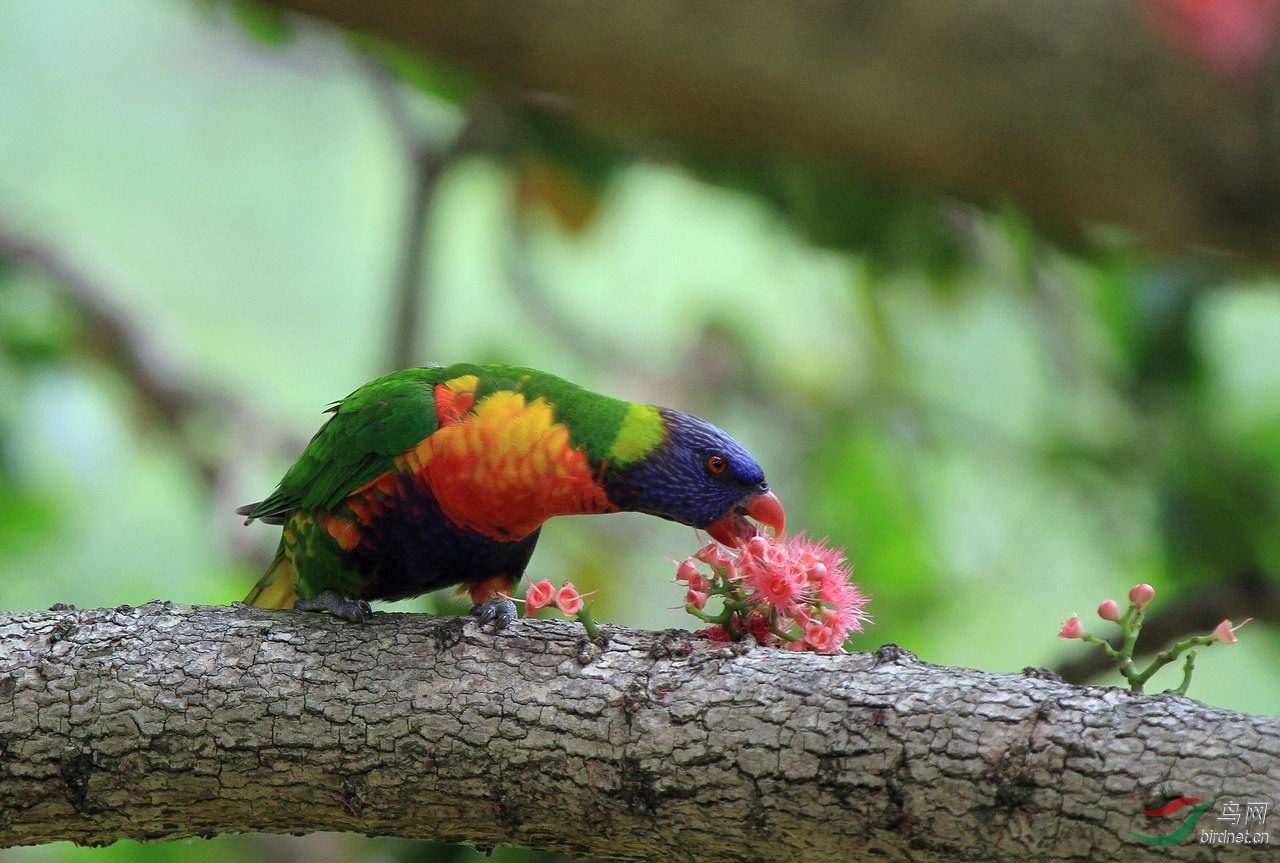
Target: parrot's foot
x=354, y=610
x=498, y=611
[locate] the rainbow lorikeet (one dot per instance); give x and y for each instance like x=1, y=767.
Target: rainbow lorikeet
x=432, y=477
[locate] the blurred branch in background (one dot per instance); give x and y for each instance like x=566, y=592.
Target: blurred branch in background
x=192, y=415
x=1117, y=112
x=428, y=159
x=539, y=304
x=107, y=337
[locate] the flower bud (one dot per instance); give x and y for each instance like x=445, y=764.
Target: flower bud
x=1226, y=633
x=1142, y=594
x=1073, y=628
x=568, y=600
x=538, y=596
x=1109, y=610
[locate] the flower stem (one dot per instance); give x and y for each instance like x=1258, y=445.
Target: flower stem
x=588, y=622
x=1187, y=667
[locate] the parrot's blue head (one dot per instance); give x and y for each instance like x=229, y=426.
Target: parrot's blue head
x=699, y=476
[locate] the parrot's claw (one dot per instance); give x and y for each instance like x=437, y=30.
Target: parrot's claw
x=499, y=612
x=354, y=610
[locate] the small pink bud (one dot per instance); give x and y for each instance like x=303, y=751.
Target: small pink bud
x=568, y=600
x=688, y=569
x=538, y=596
x=1109, y=611
x=1226, y=633
x=820, y=637
x=1142, y=594
x=696, y=598
x=712, y=554
x=1073, y=628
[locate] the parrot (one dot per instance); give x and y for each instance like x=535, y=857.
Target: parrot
x=436, y=477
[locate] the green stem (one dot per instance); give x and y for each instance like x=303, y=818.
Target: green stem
x=1187, y=667
x=1131, y=626
x=1112, y=653
x=722, y=618
x=588, y=622
x=1164, y=657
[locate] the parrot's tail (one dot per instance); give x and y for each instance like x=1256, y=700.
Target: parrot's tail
x=278, y=587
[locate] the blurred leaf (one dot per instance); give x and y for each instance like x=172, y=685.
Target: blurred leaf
x=592, y=158
x=433, y=77
x=1216, y=504
x=35, y=329
x=1149, y=312
x=268, y=24
x=543, y=182
x=861, y=497
x=895, y=230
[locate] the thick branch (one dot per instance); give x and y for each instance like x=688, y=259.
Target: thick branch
x=168, y=721
x=1078, y=111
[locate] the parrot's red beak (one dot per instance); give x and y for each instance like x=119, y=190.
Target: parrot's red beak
x=734, y=529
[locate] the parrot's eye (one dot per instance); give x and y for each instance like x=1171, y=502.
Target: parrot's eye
x=716, y=463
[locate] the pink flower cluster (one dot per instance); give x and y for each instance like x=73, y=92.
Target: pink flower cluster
x=1139, y=596
x=788, y=592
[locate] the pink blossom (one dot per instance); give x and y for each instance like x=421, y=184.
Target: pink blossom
x=773, y=585
x=538, y=596
x=1226, y=633
x=1109, y=610
x=1235, y=38
x=822, y=638
x=1141, y=594
x=783, y=591
x=712, y=554
x=814, y=569
x=776, y=555
x=696, y=598
x=1073, y=628
x=688, y=569
x=849, y=618
x=568, y=600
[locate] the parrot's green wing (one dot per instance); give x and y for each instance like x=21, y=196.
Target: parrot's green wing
x=368, y=429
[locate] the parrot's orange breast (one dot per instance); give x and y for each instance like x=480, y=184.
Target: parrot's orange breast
x=500, y=467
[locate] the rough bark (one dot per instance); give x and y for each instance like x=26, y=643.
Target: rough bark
x=168, y=721
x=1079, y=112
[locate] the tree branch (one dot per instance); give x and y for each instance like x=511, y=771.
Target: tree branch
x=168, y=721
x=1081, y=112
x=110, y=335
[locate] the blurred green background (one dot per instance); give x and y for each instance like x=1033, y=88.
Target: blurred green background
x=204, y=232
